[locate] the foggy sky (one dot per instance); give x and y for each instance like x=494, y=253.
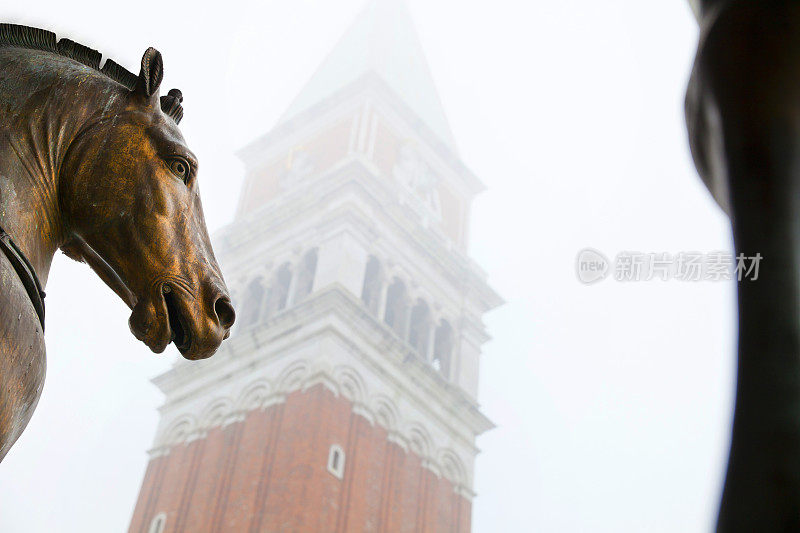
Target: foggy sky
x=612, y=401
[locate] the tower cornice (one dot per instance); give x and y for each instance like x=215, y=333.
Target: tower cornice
x=332, y=311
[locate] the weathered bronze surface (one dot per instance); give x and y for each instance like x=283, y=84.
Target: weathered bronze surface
x=92, y=162
x=743, y=114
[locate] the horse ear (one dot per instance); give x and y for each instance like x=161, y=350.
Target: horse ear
x=151, y=73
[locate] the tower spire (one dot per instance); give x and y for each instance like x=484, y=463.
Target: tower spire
x=381, y=41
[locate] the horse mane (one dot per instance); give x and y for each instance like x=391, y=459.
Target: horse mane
x=39, y=39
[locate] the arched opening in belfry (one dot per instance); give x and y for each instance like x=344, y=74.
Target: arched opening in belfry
x=419, y=328
x=278, y=295
x=251, y=305
x=443, y=348
x=395, y=314
x=283, y=283
x=305, y=277
x=371, y=290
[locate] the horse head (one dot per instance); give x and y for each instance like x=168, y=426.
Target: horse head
x=129, y=195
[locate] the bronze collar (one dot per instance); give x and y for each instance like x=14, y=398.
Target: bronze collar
x=25, y=272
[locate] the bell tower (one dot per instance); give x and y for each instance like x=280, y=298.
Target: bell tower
x=346, y=397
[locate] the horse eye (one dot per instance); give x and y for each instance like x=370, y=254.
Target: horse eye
x=180, y=168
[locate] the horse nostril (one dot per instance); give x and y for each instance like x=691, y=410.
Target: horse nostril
x=225, y=312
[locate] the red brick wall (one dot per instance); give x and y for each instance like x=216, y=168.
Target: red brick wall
x=387, y=148
x=269, y=473
x=147, y=494
x=326, y=149
x=257, y=441
x=261, y=185
x=175, y=481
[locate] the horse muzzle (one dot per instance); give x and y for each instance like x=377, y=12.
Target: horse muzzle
x=196, y=324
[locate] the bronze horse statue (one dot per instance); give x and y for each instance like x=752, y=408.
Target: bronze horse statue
x=743, y=116
x=92, y=162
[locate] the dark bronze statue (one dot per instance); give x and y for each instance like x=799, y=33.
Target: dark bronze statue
x=743, y=115
x=92, y=162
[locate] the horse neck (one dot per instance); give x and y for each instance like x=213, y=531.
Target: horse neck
x=38, y=123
